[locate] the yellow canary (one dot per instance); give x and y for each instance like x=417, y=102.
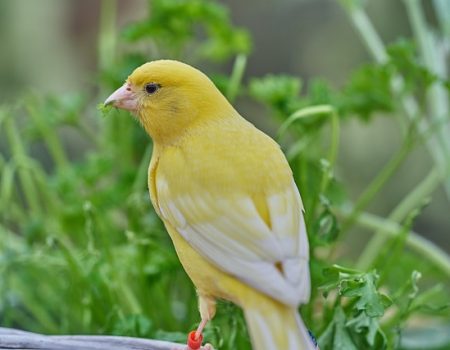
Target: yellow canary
x=226, y=195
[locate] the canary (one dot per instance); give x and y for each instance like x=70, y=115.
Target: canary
x=226, y=195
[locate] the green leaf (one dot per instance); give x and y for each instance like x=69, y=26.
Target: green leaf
x=320, y=92
x=325, y=228
x=133, y=326
x=336, y=335
x=403, y=58
x=368, y=92
x=366, y=326
x=104, y=109
x=367, y=305
x=179, y=23
x=277, y=91
x=363, y=287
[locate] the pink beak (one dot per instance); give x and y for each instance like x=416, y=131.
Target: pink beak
x=123, y=98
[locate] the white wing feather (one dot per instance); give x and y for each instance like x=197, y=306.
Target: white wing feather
x=230, y=233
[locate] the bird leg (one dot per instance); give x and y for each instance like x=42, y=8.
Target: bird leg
x=200, y=327
x=207, y=309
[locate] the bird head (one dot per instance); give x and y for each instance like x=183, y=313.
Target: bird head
x=169, y=98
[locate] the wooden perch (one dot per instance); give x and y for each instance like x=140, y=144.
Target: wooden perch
x=15, y=339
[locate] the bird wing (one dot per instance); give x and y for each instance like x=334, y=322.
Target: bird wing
x=269, y=255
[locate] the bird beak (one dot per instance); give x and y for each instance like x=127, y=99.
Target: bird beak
x=124, y=98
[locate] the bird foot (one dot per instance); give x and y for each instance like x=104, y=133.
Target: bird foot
x=194, y=341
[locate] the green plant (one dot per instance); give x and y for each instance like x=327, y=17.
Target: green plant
x=82, y=251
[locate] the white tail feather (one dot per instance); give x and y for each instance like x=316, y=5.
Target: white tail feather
x=277, y=327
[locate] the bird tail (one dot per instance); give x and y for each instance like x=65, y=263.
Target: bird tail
x=274, y=326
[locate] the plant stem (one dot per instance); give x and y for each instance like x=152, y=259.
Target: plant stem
x=409, y=203
x=334, y=147
x=52, y=201
x=332, y=155
x=106, y=55
x=88, y=131
x=49, y=136
x=437, y=95
x=302, y=113
x=236, y=77
x=334, y=144
x=377, y=183
x=368, y=33
x=407, y=102
x=6, y=187
x=442, y=9
x=107, y=35
x=297, y=147
x=21, y=158
x=416, y=242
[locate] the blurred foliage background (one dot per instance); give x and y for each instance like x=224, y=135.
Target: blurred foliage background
x=357, y=94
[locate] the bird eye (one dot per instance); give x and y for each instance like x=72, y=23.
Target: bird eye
x=151, y=88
